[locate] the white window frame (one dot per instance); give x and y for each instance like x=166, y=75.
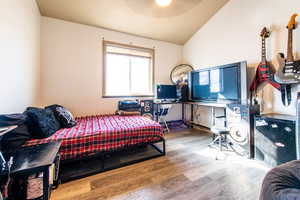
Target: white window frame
x=130, y=47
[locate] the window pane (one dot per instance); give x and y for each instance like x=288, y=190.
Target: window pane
x=117, y=75
x=215, y=81
x=140, y=75
x=128, y=70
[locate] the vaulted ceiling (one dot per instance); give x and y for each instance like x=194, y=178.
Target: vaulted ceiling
x=175, y=23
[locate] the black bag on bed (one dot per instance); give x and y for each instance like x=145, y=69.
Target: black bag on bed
x=41, y=122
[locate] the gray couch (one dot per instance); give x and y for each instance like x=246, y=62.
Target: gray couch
x=282, y=183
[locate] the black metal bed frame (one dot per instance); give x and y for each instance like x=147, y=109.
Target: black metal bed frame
x=102, y=155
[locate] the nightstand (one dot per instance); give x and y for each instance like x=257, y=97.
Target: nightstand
x=36, y=159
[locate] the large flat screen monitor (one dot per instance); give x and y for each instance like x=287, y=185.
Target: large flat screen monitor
x=227, y=83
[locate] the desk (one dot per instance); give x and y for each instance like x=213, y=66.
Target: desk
x=213, y=106
x=190, y=123
x=158, y=103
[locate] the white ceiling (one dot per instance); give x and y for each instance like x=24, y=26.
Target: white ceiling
x=175, y=23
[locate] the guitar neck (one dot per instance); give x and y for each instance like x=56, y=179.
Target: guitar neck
x=290, y=57
x=263, y=51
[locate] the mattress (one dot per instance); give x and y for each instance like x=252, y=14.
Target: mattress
x=103, y=133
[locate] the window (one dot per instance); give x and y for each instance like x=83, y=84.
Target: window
x=215, y=81
x=128, y=70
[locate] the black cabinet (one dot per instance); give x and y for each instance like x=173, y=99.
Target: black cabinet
x=37, y=159
x=275, y=139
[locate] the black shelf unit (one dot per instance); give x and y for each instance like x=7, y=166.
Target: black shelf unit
x=275, y=139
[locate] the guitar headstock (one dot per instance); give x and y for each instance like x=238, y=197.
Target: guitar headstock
x=292, y=24
x=265, y=33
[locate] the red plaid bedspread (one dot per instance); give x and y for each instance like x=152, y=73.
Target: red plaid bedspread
x=103, y=133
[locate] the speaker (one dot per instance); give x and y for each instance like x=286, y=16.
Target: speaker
x=240, y=122
x=147, y=108
x=183, y=93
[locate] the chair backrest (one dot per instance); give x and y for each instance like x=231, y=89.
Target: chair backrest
x=164, y=109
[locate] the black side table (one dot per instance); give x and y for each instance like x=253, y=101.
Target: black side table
x=36, y=159
x=4, y=130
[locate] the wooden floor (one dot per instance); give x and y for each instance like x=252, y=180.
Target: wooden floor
x=188, y=172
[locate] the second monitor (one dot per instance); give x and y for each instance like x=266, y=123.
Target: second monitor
x=166, y=92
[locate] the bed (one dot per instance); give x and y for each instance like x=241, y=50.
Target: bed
x=105, y=133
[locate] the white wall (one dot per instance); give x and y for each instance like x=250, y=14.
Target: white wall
x=233, y=35
x=72, y=65
x=19, y=55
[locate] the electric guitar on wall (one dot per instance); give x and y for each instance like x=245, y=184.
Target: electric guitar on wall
x=289, y=71
x=264, y=71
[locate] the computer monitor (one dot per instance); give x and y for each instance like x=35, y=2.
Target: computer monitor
x=166, y=92
x=226, y=83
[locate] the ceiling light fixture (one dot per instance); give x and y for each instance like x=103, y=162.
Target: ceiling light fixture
x=163, y=3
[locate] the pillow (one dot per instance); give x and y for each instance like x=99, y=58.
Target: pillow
x=63, y=115
x=41, y=122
